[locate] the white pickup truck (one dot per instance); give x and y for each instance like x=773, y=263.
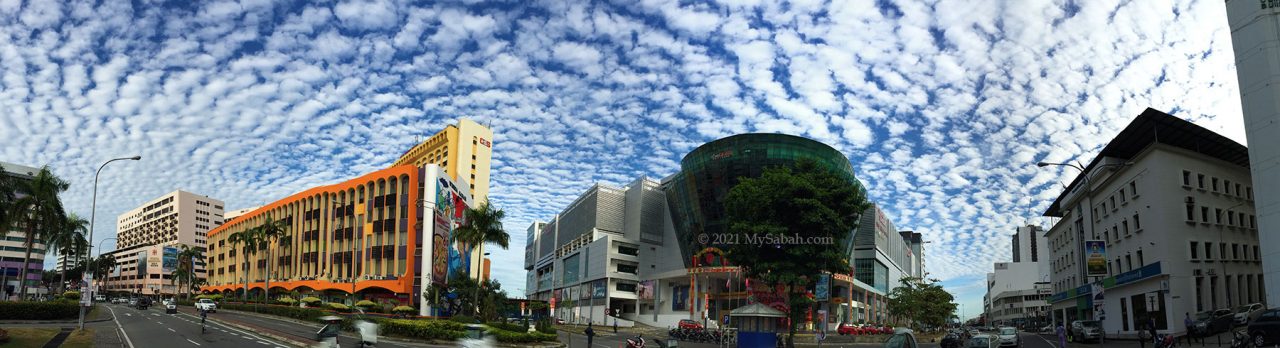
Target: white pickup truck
x=207, y=305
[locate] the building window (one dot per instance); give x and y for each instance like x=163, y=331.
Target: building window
x=1191, y=216
x=1215, y=184
x=1253, y=222
x=1122, y=199
x=1208, y=251
x=1256, y=255
x=1217, y=217
x=1128, y=260
x=1113, y=203
x=1140, y=261
x=1248, y=190
x=1195, y=250
x=1125, y=223
x=1186, y=178
x=1235, y=251
x=1231, y=218
x=1226, y=186
x=1133, y=188
x=1200, y=181
x=1137, y=224
x=1204, y=214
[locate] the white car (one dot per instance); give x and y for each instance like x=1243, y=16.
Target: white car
x=1009, y=337
x=207, y=305
x=1246, y=313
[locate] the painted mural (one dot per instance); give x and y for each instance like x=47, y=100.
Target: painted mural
x=448, y=215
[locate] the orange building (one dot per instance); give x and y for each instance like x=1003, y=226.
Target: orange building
x=363, y=236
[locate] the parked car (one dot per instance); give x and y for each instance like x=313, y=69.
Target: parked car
x=846, y=329
x=1009, y=337
x=984, y=341
x=1246, y=313
x=689, y=324
x=952, y=340
x=1213, y=322
x=1264, y=330
x=207, y=305
x=1085, y=330
x=1047, y=330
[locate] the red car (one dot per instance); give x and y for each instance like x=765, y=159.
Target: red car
x=847, y=329
x=689, y=324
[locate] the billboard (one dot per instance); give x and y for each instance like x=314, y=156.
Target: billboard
x=1095, y=257
x=679, y=297
x=644, y=290
x=598, y=289
x=446, y=199
x=142, y=262
x=169, y=260
x=822, y=290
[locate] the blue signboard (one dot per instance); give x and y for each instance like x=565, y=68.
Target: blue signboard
x=822, y=291
x=169, y=261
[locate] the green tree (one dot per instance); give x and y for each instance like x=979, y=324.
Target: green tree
x=8, y=191
x=483, y=224
x=809, y=201
x=248, y=242
x=185, y=273
x=39, y=211
x=922, y=301
x=68, y=240
x=102, y=267
x=270, y=233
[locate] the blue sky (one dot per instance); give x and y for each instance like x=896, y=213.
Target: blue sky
x=942, y=106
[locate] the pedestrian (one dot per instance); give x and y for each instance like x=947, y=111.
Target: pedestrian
x=1191, y=325
x=591, y=334
x=615, y=325
x=1062, y=336
x=1151, y=327
x=1142, y=337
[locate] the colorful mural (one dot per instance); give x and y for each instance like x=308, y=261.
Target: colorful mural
x=448, y=215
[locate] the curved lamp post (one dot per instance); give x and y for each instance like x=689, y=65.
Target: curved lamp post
x=93, y=210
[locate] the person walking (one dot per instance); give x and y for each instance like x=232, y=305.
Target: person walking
x=1151, y=327
x=1142, y=337
x=1191, y=325
x=615, y=325
x=591, y=334
x=1062, y=336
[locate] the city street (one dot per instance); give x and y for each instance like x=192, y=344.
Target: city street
x=153, y=328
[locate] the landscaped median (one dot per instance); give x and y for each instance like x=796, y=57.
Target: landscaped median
x=418, y=329
x=51, y=310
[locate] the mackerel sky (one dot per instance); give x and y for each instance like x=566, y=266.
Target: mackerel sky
x=943, y=107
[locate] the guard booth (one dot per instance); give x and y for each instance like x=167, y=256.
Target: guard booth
x=758, y=325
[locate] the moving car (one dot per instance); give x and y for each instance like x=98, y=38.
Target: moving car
x=902, y=338
x=1264, y=330
x=1047, y=330
x=170, y=307
x=1213, y=322
x=1246, y=313
x=207, y=305
x=689, y=324
x=143, y=303
x=952, y=340
x=1009, y=337
x=984, y=341
x=133, y=302
x=1085, y=330
x=847, y=329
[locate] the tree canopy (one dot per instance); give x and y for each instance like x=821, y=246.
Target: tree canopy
x=806, y=214
x=922, y=301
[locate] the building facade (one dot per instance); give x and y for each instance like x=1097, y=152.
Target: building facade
x=1173, y=205
x=383, y=236
x=67, y=262
x=149, y=237
x=634, y=250
x=13, y=247
x=1015, y=296
x=1255, y=29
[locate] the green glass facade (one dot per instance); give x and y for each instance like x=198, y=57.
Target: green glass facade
x=695, y=195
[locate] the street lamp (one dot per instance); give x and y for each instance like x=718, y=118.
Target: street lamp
x=93, y=211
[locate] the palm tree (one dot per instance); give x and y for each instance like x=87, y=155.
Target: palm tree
x=102, y=267
x=483, y=225
x=186, y=266
x=248, y=240
x=68, y=240
x=39, y=210
x=270, y=232
x=7, y=195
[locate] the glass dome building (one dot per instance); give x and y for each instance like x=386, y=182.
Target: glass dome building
x=696, y=195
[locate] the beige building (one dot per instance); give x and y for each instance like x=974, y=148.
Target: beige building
x=150, y=235
x=463, y=150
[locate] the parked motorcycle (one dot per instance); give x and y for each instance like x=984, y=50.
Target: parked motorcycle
x=1239, y=339
x=1165, y=341
x=635, y=342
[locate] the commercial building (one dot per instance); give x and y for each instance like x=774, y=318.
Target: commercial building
x=1018, y=292
x=640, y=250
x=383, y=236
x=13, y=247
x=67, y=262
x=1255, y=31
x=149, y=237
x=1166, y=210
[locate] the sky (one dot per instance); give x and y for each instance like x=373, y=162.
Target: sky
x=943, y=107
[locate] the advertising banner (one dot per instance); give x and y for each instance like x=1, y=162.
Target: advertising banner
x=1095, y=256
x=822, y=290
x=644, y=290
x=679, y=297
x=169, y=261
x=598, y=289
x=1099, y=303
x=444, y=200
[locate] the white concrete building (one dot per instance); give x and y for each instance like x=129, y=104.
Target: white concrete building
x=66, y=262
x=144, y=264
x=1172, y=201
x=1014, y=297
x=1255, y=32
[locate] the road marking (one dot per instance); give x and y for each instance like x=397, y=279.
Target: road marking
x=154, y=315
x=192, y=342
x=126, y=335
x=127, y=314
x=171, y=329
x=264, y=343
x=1046, y=340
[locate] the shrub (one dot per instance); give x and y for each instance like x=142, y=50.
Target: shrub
x=71, y=295
x=307, y=314
x=365, y=303
x=186, y=303
x=465, y=319
x=507, y=326
x=504, y=336
x=311, y=301
x=288, y=301
x=339, y=307
x=404, y=310
x=51, y=310
x=544, y=326
x=422, y=329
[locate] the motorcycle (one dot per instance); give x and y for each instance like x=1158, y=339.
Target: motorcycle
x=1165, y=341
x=1239, y=339
x=635, y=342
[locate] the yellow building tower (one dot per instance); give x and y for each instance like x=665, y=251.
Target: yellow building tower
x=464, y=151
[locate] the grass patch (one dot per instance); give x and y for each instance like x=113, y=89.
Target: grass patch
x=29, y=337
x=79, y=339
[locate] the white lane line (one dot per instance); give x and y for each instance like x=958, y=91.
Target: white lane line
x=1046, y=340
x=126, y=335
x=128, y=314
x=264, y=343
x=192, y=342
x=171, y=329
x=154, y=315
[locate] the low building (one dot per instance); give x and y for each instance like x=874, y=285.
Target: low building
x=1167, y=212
x=1015, y=297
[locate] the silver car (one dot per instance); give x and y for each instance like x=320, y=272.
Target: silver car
x=1244, y=314
x=1009, y=337
x=984, y=341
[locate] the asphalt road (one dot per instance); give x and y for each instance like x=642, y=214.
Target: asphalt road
x=296, y=330
x=153, y=328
